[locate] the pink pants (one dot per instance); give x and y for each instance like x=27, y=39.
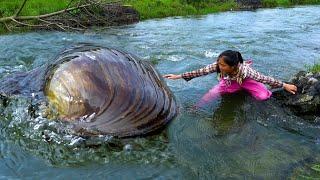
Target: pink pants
x=258, y=90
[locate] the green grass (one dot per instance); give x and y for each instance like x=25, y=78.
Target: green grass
x=147, y=9
x=32, y=7
x=288, y=3
x=163, y=8
x=315, y=68
x=160, y=8
x=218, y=7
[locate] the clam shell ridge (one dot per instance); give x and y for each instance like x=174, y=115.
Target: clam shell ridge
x=111, y=92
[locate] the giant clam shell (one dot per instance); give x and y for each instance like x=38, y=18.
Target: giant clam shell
x=106, y=91
x=114, y=93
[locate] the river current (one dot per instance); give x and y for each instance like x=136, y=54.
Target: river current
x=234, y=137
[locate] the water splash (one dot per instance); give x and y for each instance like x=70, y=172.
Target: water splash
x=55, y=142
x=211, y=54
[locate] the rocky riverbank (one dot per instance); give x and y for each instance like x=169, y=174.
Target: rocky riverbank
x=306, y=103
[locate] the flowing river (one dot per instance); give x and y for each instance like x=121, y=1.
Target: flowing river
x=234, y=137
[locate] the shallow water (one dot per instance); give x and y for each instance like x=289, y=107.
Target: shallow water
x=234, y=137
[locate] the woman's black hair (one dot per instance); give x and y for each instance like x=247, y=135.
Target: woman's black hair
x=230, y=57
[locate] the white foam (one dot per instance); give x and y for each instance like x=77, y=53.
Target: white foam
x=175, y=58
x=210, y=54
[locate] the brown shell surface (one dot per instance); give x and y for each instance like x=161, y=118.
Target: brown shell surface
x=111, y=92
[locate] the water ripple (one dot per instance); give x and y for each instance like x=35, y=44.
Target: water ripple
x=233, y=138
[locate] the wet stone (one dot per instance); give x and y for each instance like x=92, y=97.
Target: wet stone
x=306, y=103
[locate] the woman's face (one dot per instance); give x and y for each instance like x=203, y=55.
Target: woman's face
x=225, y=68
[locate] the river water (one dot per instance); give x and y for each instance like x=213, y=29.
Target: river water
x=234, y=137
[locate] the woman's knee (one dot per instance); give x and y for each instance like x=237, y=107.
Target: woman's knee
x=262, y=95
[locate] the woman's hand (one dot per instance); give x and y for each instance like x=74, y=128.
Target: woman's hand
x=172, y=76
x=290, y=88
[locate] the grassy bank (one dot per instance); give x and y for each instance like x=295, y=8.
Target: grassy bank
x=163, y=8
x=315, y=68
x=32, y=7
x=147, y=9
x=288, y=3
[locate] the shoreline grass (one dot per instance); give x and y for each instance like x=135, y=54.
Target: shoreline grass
x=314, y=68
x=148, y=9
x=288, y=3
x=32, y=7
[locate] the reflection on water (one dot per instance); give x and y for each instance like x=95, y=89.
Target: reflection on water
x=228, y=117
x=245, y=140
x=234, y=137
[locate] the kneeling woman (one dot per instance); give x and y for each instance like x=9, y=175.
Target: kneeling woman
x=235, y=74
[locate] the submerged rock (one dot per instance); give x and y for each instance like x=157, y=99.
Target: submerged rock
x=306, y=103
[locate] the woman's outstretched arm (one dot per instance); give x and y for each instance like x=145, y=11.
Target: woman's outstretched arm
x=193, y=74
x=251, y=73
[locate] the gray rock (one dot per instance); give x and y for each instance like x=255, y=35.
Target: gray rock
x=306, y=103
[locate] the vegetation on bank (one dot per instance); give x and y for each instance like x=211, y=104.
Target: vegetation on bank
x=32, y=7
x=163, y=8
x=147, y=8
x=9, y=8
x=288, y=3
x=315, y=68
x=21, y=15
